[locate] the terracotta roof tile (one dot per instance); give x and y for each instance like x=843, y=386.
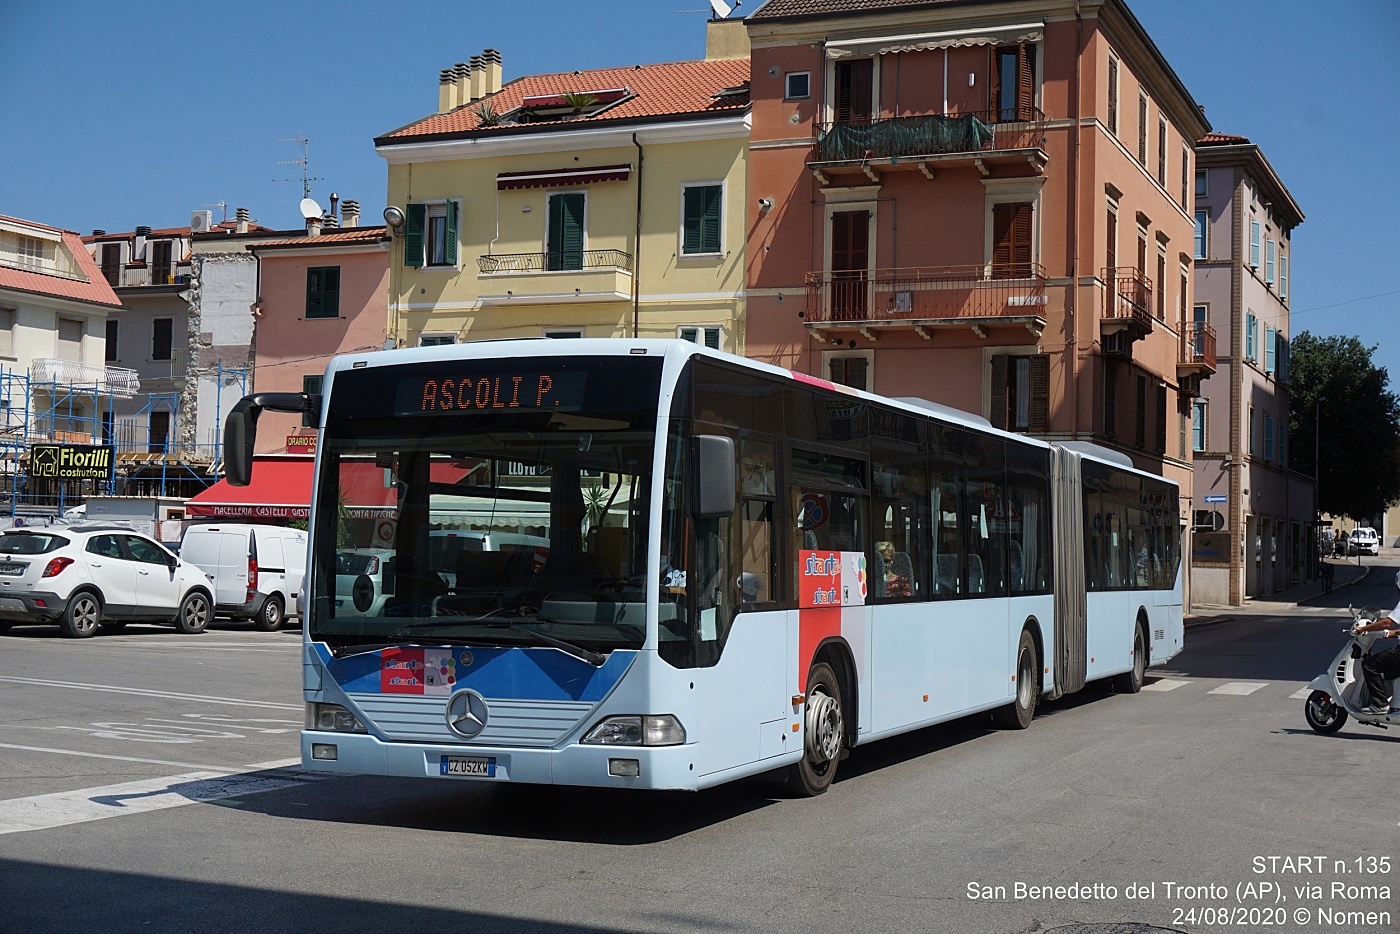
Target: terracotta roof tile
x=93, y=288
x=670, y=89
x=1221, y=139
x=780, y=9
x=339, y=236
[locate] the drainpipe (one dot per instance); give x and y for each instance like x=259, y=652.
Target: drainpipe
x=637, y=249
x=1071, y=325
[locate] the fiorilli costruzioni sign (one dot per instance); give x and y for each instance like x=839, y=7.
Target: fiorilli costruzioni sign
x=70, y=461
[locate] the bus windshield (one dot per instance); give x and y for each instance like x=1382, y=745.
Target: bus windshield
x=447, y=515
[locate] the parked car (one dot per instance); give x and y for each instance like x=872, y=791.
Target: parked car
x=102, y=576
x=257, y=571
x=364, y=581
x=1365, y=541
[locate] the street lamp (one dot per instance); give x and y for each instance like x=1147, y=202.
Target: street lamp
x=1317, y=459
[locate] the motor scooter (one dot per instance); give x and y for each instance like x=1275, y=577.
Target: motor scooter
x=1342, y=690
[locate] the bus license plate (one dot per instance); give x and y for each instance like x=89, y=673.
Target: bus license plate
x=464, y=765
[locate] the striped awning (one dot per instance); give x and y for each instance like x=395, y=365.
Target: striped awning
x=557, y=178
x=884, y=45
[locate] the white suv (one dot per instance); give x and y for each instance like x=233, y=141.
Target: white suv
x=85, y=577
x=1365, y=541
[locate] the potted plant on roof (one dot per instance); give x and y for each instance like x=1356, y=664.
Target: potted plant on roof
x=486, y=116
x=579, y=101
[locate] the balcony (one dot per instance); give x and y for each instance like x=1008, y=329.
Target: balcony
x=1127, y=301
x=141, y=275
x=548, y=278
x=1197, y=360
x=51, y=260
x=921, y=299
x=924, y=142
x=69, y=374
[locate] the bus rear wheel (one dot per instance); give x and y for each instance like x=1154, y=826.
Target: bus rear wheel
x=1132, y=680
x=824, y=736
x=1018, y=714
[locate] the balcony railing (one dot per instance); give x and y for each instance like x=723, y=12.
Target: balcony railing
x=1128, y=296
x=56, y=261
x=929, y=134
x=563, y=261
x=1198, y=345
x=116, y=380
x=914, y=293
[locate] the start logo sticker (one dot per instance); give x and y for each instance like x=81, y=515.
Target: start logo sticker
x=402, y=671
x=831, y=578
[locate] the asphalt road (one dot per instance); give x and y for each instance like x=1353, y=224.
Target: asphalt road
x=155, y=772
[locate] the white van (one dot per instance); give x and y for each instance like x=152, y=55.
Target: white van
x=257, y=571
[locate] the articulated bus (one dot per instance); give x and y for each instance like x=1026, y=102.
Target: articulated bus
x=721, y=568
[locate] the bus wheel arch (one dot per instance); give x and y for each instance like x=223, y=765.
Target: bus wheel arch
x=837, y=653
x=828, y=720
x=1018, y=714
x=1132, y=680
x=1032, y=625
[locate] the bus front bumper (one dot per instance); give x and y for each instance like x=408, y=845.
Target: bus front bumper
x=656, y=767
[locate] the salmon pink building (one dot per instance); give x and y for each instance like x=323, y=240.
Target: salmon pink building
x=987, y=204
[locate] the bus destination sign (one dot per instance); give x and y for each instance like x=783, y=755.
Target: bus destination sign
x=497, y=392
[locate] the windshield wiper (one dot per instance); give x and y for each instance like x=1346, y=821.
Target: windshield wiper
x=596, y=659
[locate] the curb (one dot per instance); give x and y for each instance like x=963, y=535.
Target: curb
x=1202, y=620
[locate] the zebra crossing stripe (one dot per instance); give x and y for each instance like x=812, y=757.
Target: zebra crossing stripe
x=1164, y=684
x=1239, y=688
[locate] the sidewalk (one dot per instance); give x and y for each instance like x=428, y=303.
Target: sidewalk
x=1345, y=574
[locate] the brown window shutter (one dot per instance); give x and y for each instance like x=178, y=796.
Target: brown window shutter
x=1142, y=254
x=1112, y=254
x=998, y=413
x=1025, y=82
x=1161, y=419
x=994, y=82
x=1161, y=285
x=1140, y=429
x=1011, y=240
x=1142, y=130
x=854, y=83
x=1113, y=96
x=1040, y=393
x=1110, y=399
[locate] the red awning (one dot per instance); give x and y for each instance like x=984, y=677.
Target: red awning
x=506, y=181
x=281, y=489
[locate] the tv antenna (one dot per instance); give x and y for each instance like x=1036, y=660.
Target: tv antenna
x=304, y=162
x=719, y=9
x=222, y=206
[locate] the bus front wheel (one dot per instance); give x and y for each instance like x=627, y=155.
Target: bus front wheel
x=824, y=736
x=1018, y=714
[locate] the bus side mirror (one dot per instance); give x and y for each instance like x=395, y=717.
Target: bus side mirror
x=241, y=428
x=714, y=476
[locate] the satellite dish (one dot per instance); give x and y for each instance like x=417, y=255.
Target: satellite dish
x=309, y=208
x=722, y=9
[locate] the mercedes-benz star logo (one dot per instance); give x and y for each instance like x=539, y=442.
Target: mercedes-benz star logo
x=466, y=714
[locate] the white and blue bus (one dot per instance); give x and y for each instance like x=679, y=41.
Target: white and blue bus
x=728, y=568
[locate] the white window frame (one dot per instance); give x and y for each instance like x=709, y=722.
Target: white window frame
x=1010, y=191
x=829, y=105
x=437, y=338
x=1270, y=258
x=869, y=355
x=1282, y=275
x=787, y=86
x=1201, y=406
x=681, y=254
x=1202, y=183
x=1256, y=232
x=1202, y=219
x=700, y=331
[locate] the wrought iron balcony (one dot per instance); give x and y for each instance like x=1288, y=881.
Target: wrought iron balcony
x=916, y=297
x=561, y=261
x=1197, y=347
x=910, y=137
x=1127, y=298
x=71, y=373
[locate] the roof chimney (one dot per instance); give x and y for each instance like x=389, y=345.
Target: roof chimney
x=478, y=79
x=99, y=232
x=350, y=213
x=330, y=221
x=447, y=89
x=138, y=248
x=241, y=214
x=726, y=39
x=492, y=62
x=313, y=226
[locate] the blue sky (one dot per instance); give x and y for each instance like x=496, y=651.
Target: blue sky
x=116, y=115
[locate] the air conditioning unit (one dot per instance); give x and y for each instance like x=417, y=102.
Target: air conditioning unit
x=1189, y=385
x=201, y=221
x=1118, y=344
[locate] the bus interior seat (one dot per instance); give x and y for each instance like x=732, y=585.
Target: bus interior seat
x=976, y=577
x=1017, y=568
x=903, y=567
x=877, y=572
x=947, y=574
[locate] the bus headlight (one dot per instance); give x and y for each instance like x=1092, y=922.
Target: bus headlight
x=651, y=730
x=332, y=718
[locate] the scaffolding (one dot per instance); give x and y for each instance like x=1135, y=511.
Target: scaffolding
x=65, y=402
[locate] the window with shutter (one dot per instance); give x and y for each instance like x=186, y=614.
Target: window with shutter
x=1011, y=240
x=850, y=260
x=1283, y=277
x=111, y=349
x=702, y=219
x=1185, y=174
x=1142, y=130
x=1249, y=353
x=70, y=339
x=157, y=431
x=1269, y=334
x=1198, y=425
x=1161, y=285
x=1040, y=393
x=1000, y=367
x=1162, y=153
x=1140, y=421
x=850, y=371
x=112, y=263
x=1113, y=95
x=1110, y=398
x=1268, y=437
x=162, y=336
x=855, y=91
x=710, y=335
x=1199, y=246
x=1254, y=233
x=1269, y=261
x=566, y=216
x=413, y=234
x=1111, y=256
x=323, y=292
x=1161, y=417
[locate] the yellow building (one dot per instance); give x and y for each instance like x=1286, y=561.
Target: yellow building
x=606, y=203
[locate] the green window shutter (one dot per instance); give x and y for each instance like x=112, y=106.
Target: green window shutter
x=690, y=334
x=701, y=224
x=712, y=338
x=323, y=292
x=311, y=385
x=413, y=235
x=450, y=247
x=313, y=293
x=565, y=247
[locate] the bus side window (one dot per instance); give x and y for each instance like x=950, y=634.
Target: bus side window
x=757, y=489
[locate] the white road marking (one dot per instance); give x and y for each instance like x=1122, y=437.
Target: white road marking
x=100, y=755
x=151, y=794
x=1239, y=688
x=1164, y=684
x=1300, y=694
x=146, y=692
